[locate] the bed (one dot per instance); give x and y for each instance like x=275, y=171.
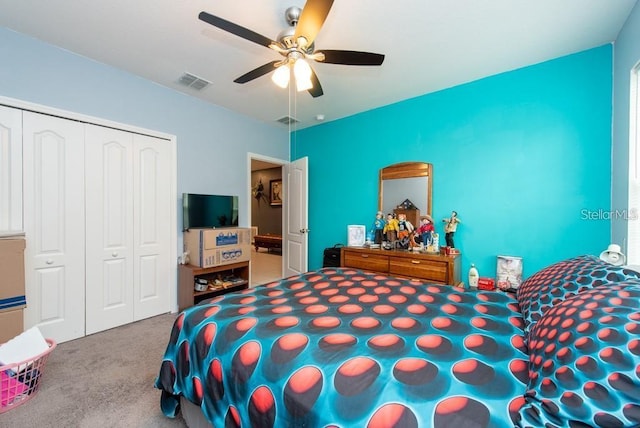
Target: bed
x=342, y=347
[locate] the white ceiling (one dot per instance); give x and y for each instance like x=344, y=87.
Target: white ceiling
x=429, y=44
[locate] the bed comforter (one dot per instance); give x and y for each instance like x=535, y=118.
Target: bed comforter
x=342, y=347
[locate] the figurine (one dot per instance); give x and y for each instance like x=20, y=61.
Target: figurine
x=391, y=229
x=450, y=228
x=405, y=228
x=378, y=228
x=426, y=230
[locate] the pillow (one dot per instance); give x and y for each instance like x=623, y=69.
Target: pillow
x=555, y=283
x=584, y=361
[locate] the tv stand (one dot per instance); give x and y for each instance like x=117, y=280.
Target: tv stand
x=187, y=274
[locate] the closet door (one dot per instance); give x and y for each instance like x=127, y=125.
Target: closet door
x=152, y=214
x=10, y=169
x=53, y=156
x=109, y=228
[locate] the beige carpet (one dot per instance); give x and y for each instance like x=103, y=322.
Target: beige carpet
x=102, y=380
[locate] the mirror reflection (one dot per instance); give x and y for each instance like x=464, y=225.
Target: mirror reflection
x=399, y=189
x=408, y=180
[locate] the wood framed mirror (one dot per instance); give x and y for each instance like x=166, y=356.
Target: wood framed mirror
x=406, y=180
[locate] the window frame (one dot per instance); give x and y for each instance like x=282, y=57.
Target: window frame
x=633, y=215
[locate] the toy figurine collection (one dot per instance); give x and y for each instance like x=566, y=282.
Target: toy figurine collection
x=397, y=232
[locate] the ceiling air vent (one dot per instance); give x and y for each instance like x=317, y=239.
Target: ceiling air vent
x=287, y=120
x=188, y=79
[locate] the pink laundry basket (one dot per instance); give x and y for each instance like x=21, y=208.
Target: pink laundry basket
x=19, y=382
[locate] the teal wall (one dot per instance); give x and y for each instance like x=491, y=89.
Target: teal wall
x=522, y=156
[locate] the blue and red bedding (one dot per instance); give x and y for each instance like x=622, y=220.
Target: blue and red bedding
x=341, y=347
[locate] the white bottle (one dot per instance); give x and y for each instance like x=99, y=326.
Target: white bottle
x=473, y=276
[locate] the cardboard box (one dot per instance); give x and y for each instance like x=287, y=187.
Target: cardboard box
x=224, y=256
x=217, y=247
x=12, y=294
x=12, y=324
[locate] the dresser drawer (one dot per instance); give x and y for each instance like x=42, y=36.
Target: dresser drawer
x=428, y=270
x=366, y=261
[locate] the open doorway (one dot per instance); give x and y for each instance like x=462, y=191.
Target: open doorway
x=265, y=218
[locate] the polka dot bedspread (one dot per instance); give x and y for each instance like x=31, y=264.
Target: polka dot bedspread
x=345, y=348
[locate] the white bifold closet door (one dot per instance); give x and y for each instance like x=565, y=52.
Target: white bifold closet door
x=97, y=221
x=10, y=169
x=53, y=173
x=127, y=218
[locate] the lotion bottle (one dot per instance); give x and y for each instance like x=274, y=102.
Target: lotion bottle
x=473, y=276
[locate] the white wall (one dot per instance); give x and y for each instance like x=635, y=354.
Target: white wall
x=626, y=55
x=212, y=142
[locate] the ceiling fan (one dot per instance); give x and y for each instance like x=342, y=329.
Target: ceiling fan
x=296, y=45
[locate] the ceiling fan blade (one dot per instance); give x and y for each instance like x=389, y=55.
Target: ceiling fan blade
x=254, y=74
x=351, y=57
x=311, y=19
x=316, y=89
x=236, y=29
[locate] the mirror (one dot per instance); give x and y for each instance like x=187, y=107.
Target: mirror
x=407, y=180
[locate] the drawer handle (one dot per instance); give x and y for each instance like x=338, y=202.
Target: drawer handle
x=114, y=254
x=415, y=262
x=365, y=256
x=49, y=262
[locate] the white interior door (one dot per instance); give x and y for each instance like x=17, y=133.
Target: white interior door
x=10, y=169
x=53, y=154
x=109, y=228
x=296, y=212
x=152, y=233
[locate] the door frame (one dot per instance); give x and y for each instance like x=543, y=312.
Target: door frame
x=276, y=162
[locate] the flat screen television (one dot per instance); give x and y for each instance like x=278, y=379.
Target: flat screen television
x=204, y=211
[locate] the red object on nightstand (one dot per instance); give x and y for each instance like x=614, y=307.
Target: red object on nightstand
x=485, y=283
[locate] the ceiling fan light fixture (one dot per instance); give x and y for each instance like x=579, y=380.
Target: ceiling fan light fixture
x=303, y=84
x=302, y=69
x=302, y=72
x=295, y=43
x=281, y=76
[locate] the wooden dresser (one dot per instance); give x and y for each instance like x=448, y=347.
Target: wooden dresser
x=434, y=268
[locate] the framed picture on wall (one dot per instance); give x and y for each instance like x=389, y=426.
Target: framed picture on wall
x=275, y=187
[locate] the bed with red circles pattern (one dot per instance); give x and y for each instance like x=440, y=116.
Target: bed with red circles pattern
x=585, y=361
x=344, y=348
x=564, y=279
